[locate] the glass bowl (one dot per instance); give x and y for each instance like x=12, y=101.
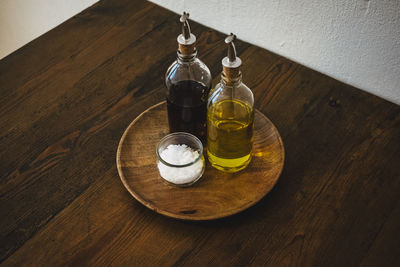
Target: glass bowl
x=180, y=159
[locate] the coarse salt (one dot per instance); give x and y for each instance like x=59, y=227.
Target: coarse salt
x=180, y=155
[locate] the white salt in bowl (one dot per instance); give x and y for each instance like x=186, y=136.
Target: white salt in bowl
x=180, y=159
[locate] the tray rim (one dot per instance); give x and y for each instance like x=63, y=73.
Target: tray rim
x=187, y=217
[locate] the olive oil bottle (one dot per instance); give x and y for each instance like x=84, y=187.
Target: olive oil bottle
x=230, y=117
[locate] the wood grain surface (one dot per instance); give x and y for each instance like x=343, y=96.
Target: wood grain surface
x=67, y=97
x=216, y=194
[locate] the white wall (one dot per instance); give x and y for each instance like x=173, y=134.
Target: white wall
x=357, y=42
x=21, y=21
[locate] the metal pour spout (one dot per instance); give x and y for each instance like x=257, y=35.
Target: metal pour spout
x=185, y=25
x=231, y=47
x=186, y=40
x=232, y=61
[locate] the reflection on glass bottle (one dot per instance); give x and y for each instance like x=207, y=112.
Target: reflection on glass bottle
x=230, y=117
x=188, y=81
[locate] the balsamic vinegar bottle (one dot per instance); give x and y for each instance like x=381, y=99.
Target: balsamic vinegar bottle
x=230, y=117
x=188, y=81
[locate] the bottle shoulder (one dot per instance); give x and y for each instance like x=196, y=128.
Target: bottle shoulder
x=239, y=92
x=194, y=70
x=202, y=64
x=192, y=64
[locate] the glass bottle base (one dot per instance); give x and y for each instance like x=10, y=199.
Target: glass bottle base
x=229, y=165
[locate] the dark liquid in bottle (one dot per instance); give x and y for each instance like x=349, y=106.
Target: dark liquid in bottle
x=187, y=108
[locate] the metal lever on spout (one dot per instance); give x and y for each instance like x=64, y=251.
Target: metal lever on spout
x=231, y=47
x=185, y=25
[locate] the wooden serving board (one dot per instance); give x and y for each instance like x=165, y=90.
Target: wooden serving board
x=216, y=194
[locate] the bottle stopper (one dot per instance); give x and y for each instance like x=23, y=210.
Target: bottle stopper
x=186, y=39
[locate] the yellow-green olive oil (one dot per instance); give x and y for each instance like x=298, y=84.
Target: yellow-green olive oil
x=230, y=134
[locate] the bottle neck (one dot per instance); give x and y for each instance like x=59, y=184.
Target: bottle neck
x=227, y=79
x=183, y=58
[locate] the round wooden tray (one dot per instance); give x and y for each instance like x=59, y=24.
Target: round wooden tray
x=216, y=194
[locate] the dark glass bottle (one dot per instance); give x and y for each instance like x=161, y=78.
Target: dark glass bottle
x=188, y=81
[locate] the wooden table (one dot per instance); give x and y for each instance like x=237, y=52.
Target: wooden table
x=67, y=97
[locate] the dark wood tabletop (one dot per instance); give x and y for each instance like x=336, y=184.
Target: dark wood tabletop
x=68, y=96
